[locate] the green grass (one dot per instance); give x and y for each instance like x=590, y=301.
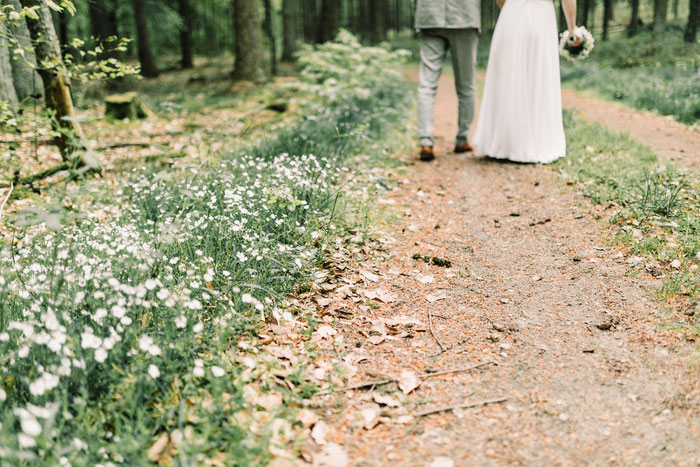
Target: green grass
x=133, y=315
x=664, y=78
x=656, y=207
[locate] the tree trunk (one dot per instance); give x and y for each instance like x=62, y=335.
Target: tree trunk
x=186, y=34
x=330, y=20
x=634, y=18
x=270, y=33
x=27, y=81
x=607, y=17
x=675, y=9
x=249, y=44
x=7, y=86
x=148, y=64
x=54, y=77
x=585, y=11
x=660, y=14
x=378, y=21
x=693, y=22
x=103, y=23
x=290, y=14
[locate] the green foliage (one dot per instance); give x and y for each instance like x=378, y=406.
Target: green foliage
x=131, y=314
x=663, y=78
x=657, y=207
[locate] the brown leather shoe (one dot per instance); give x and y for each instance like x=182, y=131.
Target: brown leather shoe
x=427, y=154
x=463, y=148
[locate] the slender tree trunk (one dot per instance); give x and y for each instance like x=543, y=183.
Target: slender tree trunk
x=103, y=24
x=660, y=14
x=607, y=17
x=54, y=77
x=675, y=9
x=330, y=20
x=270, y=33
x=185, y=12
x=7, y=85
x=693, y=22
x=290, y=15
x=249, y=44
x=585, y=11
x=148, y=64
x=378, y=31
x=633, y=27
x=27, y=82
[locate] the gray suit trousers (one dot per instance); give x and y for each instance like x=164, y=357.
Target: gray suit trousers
x=435, y=43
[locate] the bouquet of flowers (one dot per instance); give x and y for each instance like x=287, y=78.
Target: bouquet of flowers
x=576, y=52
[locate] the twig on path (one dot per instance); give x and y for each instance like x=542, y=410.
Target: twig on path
x=447, y=408
x=4, y=202
x=458, y=370
x=432, y=332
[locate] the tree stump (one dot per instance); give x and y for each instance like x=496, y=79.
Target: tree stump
x=123, y=106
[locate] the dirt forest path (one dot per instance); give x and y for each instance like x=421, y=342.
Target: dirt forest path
x=570, y=339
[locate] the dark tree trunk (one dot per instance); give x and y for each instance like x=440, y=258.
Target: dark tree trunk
x=633, y=27
x=270, y=33
x=585, y=11
x=290, y=15
x=148, y=64
x=55, y=78
x=185, y=12
x=27, y=81
x=249, y=44
x=330, y=20
x=562, y=18
x=378, y=17
x=660, y=15
x=675, y=9
x=103, y=24
x=693, y=22
x=608, y=6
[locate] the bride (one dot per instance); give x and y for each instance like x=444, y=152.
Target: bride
x=521, y=116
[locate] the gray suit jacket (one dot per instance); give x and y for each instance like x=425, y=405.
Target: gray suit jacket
x=448, y=14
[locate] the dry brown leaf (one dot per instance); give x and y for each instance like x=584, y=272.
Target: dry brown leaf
x=319, y=433
x=376, y=340
x=370, y=276
x=436, y=297
x=385, y=399
x=333, y=455
x=158, y=447
x=408, y=381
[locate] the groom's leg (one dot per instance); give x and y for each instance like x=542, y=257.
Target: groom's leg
x=433, y=50
x=463, y=43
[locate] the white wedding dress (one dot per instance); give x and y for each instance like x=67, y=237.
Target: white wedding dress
x=521, y=117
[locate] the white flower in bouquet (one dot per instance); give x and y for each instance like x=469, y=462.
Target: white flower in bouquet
x=577, y=52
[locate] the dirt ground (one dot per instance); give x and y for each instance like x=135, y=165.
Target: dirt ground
x=577, y=366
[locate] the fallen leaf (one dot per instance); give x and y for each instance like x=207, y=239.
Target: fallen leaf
x=307, y=417
x=333, y=455
x=442, y=462
x=408, y=381
x=158, y=447
x=385, y=399
x=432, y=298
x=376, y=340
x=369, y=276
x=323, y=302
x=319, y=433
x=325, y=332
x=425, y=279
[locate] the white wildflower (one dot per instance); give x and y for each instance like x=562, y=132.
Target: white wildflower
x=153, y=371
x=217, y=371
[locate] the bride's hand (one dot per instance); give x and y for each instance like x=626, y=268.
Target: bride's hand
x=575, y=38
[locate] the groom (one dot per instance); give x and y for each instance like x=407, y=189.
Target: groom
x=446, y=25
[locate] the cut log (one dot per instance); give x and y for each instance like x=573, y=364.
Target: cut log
x=123, y=106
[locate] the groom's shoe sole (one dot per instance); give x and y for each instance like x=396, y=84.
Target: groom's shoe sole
x=427, y=154
x=465, y=148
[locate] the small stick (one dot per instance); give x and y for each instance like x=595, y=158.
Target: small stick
x=366, y=384
x=447, y=408
x=432, y=332
x=458, y=370
x=9, y=193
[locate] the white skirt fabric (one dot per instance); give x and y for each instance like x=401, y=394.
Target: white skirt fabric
x=521, y=117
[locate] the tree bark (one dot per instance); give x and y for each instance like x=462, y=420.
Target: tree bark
x=633, y=27
x=54, y=76
x=7, y=85
x=185, y=12
x=607, y=17
x=378, y=21
x=270, y=33
x=148, y=64
x=691, y=29
x=27, y=81
x=290, y=14
x=585, y=11
x=330, y=20
x=660, y=14
x=249, y=44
